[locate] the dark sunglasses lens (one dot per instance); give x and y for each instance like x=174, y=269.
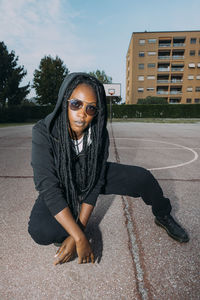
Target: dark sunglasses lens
x=75, y=104
x=91, y=110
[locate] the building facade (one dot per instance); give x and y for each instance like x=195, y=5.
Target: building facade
x=164, y=64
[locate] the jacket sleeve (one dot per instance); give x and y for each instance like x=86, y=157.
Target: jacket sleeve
x=93, y=195
x=45, y=175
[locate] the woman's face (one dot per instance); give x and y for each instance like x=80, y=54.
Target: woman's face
x=79, y=119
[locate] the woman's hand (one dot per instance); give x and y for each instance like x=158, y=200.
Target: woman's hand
x=77, y=240
x=66, y=251
x=84, y=251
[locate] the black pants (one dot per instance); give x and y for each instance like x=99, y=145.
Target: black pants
x=120, y=180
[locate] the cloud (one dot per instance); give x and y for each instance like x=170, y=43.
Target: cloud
x=37, y=28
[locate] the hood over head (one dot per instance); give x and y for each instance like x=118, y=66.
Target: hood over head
x=68, y=81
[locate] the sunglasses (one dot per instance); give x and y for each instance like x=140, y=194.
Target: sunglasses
x=76, y=104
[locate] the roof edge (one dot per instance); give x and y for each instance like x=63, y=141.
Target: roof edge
x=139, y=32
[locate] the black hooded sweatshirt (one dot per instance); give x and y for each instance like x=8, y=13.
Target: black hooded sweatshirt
x=43, y=157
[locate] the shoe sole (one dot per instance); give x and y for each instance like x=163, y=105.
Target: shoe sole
x=170, y=234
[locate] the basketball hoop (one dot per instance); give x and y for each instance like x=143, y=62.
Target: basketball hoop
x=111, y=92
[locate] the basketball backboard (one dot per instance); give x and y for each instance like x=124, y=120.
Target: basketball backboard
x=112, y=89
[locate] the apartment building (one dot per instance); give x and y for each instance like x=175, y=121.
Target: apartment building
x=164, y=64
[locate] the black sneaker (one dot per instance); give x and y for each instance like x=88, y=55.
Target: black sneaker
x=173, y=228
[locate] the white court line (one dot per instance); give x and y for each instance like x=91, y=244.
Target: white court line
x=151, y=148
x=177, y=145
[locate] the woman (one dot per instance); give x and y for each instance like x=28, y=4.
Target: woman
x=69, y=160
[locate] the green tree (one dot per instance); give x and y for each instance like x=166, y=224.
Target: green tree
x=101, y=76
x=11, y=76
x=152, y=100
x=47, y=80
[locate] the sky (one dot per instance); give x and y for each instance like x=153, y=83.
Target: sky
x=87, y=34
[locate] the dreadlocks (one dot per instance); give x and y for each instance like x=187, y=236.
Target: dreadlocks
x=79, y=173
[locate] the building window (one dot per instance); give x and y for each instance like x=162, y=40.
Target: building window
x=197, y=89
x=190, y=77
x=151, y=65
x=141, y=54
x=199, y=52
x=192, y=52
x=189, y=89
x=191, y=65
x=193, y=41
x=198, y=77
x=151, y=53
x=140, y=90
x=141, y=42
x=150, y=89
x=174, y=100
x=177, y=67
x=188, y=100
x=151, y=77
x=198, y=65
x=151, y=41
x=196, y=100
x=141, y=78
x=141, y=66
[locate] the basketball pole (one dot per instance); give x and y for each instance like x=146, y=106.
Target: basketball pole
x=111, y=92
x=110, y=109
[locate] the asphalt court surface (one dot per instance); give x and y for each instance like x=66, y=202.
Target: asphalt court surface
x=135, y=259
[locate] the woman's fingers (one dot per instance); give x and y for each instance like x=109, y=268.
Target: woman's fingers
x=60, y=256
x=92, y=257
x=57, y=261
x=79, y=260
x=59, y=251
x=66, y=259
x=61, y=260
x=86, y=259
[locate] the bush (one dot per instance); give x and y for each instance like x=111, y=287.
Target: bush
x=152, y=100
x=20, y=114
x=155, y=111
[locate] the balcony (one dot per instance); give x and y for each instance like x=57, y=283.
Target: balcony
x=163, y=81
x=175, y=92
x=176, y=80
x=178, y=45
x=177, y=56
x=164, y=69
x=163, y=57
x=164, y=45
x=178, y=69
x=162, y=92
